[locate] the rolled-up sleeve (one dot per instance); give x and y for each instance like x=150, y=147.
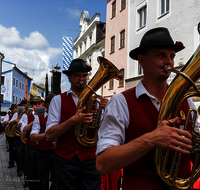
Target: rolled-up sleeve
x=54, y=112
x=36, y=126
x=114, y=124
x=24, y=121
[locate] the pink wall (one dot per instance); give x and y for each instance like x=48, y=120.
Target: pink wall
x=113, y=28
x=26, y=95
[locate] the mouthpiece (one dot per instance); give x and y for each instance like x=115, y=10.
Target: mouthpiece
x=167, y=68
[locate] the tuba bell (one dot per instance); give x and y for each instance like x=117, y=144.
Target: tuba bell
x=88, y=101
x=177, y=93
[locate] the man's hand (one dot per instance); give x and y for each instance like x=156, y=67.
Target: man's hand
x=103, y=103
x=171, y=138
x=82, y=118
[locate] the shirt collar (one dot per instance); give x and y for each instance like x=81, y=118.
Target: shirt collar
x=140, y=90
x=71, y=92
x=45, y=114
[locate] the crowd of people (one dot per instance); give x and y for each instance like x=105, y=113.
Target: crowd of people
x=52, y=158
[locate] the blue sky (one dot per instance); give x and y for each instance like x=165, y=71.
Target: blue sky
x=31, y=32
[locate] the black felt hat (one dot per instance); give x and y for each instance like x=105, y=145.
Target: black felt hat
x=13, y=106
x=78, y=65
x=156, y=37
x=24, y=101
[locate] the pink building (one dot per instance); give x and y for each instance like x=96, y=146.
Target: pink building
x=116, y=43
x=26, y=92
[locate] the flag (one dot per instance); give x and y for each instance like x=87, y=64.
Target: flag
x=46, y=87
x=67, y=52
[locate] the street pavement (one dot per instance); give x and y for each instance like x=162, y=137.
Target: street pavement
x=8, y=177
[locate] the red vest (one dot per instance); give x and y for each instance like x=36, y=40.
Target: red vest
x=141, y=174
x=67, y=145
x=43, y=144
x=29, y=141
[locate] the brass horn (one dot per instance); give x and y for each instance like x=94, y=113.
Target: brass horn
x=89, y=102
x=176, y=94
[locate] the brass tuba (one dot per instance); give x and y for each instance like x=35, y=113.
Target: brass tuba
x=176, y=94
x=87, y=99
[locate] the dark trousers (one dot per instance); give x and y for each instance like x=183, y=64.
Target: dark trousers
x=75, y=175
x=31, y=154
x=11, y=143
x=46, y=160
x=19, y=146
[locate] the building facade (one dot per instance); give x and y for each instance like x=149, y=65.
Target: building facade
x=13, y=86
x=37, y=90
x=90, y=43
x=116, y=43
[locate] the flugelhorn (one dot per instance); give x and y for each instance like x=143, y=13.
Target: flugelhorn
x=177, y=93
x=88, y=101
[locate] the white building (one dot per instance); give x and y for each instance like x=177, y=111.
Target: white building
x=90, y=43
x=180, y=17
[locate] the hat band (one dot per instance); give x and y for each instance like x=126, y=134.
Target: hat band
x=164, y=41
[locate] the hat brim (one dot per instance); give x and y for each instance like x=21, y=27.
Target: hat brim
x=70, y=71
x=135, y=52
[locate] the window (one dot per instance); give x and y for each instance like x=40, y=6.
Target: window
x=111, y=84
x=142, y=16
x=20, y=99
x=80, y=49
x=140, y=70
x=113, y=9
x=112, y=49
x=20, y=85
x=14, y=81
x=164, y=7
x=122, y=39
x=121, y=82
x=90, y=39
x=85, y=44
x=26, y=89
x=13, y=99
x=123, y=4
x=16, y=100
x=2, y=80
x=2, y=98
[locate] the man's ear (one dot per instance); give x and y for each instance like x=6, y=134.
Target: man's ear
x=141, y=59
x=69, y=77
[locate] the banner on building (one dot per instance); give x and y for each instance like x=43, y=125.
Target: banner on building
x=67, y=52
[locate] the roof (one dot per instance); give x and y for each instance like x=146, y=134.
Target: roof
x=22, y=73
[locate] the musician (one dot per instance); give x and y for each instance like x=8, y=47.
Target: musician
x=75, y=164
x=31, y=147
x=11, y=143
x=45, y=155
x=18, y=145
x=129, y=131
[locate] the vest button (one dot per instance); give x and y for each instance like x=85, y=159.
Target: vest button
x=76, y=152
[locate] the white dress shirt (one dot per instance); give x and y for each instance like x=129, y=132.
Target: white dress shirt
x=15, y=116
x=36, y=125
x=54, y=113
x=6, y=118
x=116, y=119
x=24, y=120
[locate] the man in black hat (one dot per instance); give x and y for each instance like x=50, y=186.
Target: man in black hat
x=45, y=149
x=129, y=131
x=10, y=140
x=18, y=145
x=75, y=164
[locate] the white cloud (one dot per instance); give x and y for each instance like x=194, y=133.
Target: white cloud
x=10, y=37
x=31, y=54
x=73, y=12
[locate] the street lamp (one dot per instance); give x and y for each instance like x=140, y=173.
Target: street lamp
x=1, y=58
